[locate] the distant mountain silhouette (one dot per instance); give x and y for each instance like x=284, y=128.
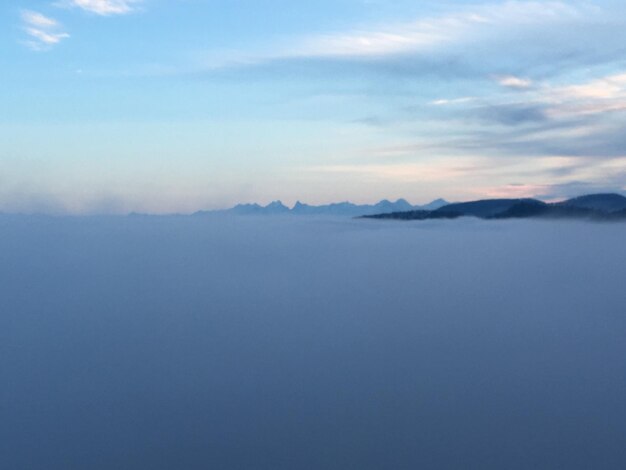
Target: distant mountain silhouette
x=533, y=208
x=275, y=207
x=601, y=202
x=484, y=208
x=594, y=207
x=416, y=215
x=346, y=209
x=350, y=209
x=433, y=206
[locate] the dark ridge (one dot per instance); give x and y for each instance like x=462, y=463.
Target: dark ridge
x=416, y=215
x=524, y=210
x=617, y=215
x=598, y=207
x=603, y=202
x=486, y=207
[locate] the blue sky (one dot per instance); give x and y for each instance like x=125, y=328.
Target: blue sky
x=113, y=106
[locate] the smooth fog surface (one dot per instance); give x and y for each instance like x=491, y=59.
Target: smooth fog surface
x=246, y=343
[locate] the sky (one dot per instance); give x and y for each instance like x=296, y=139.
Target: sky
x=162, y=106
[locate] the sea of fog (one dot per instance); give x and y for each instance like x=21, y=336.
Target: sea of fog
x=310, y=343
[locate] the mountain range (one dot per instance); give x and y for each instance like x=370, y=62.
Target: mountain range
x=346, y=209
x=592, y=206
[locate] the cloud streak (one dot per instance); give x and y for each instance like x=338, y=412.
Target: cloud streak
x=104, y=7
x=44, y=32
x=511, y=81
x=421, y=35
x=429, y=33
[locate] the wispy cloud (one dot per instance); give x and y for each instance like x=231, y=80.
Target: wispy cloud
x=431, y=32
x=44, y=32
x=103, y=7
x=421, y=35
x=37, y=19
x=546, y=101
x=447, y=102
x=601, y=95
x=510, y=81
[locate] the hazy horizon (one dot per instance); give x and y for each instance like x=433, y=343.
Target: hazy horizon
x=291, y=206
